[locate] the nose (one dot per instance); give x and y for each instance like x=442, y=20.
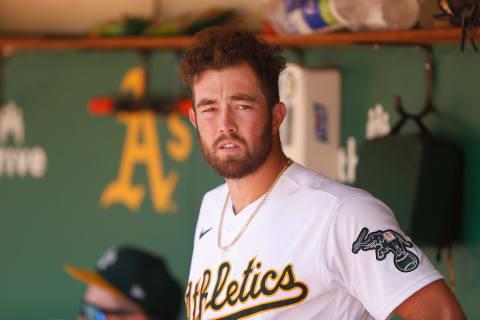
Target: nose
x=227, y=122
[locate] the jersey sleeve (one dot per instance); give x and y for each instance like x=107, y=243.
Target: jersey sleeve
x=366, y=253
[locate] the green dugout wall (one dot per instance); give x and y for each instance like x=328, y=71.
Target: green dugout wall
x=51, y=209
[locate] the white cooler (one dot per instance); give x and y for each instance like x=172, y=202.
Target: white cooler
x=310, y=133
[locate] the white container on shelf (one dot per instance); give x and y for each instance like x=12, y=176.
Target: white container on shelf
x=314, y=16
x=310, y=133
x=376, y=14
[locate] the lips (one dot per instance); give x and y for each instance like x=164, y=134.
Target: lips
x=228, y=142
x=228, y=146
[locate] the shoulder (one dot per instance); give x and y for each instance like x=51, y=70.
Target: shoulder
x=348, y=206
x=215, y=193
x=310, y=181
x=213, y=199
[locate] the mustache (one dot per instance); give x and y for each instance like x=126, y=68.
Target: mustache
x=231, y=137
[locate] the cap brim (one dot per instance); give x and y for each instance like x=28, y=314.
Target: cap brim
x=91, y=277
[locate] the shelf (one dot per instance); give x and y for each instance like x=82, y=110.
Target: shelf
x=65, y=43
x=420, y=36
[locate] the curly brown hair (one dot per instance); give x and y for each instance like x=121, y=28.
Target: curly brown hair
x=217, y=48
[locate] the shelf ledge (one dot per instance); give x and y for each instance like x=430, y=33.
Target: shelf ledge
x=414, y=37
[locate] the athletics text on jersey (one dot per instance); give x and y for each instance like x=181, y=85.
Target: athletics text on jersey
x=226, y=291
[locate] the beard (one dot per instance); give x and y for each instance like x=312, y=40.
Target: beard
x=234, y=166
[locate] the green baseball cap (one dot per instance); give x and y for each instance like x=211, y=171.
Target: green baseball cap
x=138, y=275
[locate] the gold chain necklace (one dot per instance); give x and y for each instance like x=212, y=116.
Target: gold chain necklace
x=219, y=241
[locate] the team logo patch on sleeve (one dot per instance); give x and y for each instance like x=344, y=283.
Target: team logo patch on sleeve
x=384, y=242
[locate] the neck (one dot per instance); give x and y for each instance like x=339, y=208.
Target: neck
x=251, y=187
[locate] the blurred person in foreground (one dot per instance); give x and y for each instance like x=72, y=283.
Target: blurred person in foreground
x=128, y=283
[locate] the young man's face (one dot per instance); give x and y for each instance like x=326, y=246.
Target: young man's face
x=233, y=121
x=101, y=304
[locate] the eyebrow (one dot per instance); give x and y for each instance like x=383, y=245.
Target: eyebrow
x=204, y=102
x=243, y=97
x=237, y=97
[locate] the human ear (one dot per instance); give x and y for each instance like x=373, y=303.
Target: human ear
x=278, y=114
x=191, y=115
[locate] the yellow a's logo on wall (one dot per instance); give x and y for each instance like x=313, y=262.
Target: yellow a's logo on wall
x=142, y=147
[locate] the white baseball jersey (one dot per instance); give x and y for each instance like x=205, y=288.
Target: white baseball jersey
x=316, y=249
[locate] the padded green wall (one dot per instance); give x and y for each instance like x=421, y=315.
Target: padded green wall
x=58, y=219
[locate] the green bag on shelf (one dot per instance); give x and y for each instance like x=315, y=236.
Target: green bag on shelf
x=420, y=178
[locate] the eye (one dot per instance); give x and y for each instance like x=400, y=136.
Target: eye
x=244, y=107
x=207, y=110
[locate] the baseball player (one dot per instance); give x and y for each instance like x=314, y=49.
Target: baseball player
x=279, y=241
